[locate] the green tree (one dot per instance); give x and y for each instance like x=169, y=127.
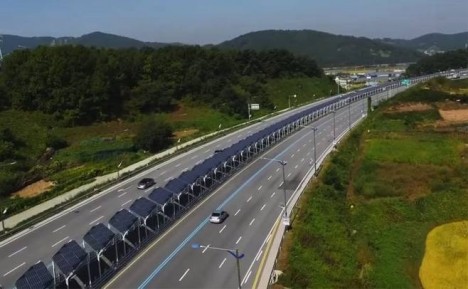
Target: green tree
x=153, y=136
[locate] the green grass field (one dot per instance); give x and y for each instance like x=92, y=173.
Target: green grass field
x=364, y=223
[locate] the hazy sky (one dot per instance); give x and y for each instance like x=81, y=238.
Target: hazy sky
x=213, y=21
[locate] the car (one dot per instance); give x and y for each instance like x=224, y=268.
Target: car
x=145, y=183
x=218, y=216
x=218, y=151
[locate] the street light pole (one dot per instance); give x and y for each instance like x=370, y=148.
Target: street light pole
x=233, y=252
x=283, y=164
x=289, y=100
x=3, y=219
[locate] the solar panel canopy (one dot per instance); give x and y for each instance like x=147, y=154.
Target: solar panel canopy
x=160, y=196
x=36, y=277
x=98, y=237
x=69, y=257
x=123, y=220
x=143, y=207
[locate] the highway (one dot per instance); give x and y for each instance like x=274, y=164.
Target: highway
x=253, y=198
x=41, y=241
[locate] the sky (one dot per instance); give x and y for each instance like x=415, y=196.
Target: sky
x=214, y=21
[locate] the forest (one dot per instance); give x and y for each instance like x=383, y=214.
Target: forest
x=439, y=62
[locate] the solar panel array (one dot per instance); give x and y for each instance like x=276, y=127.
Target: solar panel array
x=69, y=257
x=123, y=220
x=98, y=237
x=36, y=277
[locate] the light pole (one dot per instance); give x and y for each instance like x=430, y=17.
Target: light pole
x=233, y=252
x=3, y=219
x=285, y=213
x=289, y=100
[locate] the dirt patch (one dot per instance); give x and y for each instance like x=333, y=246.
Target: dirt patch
x=445, y=260
x=408, y=107
x=184, y=133
x=456, y=115
x=34, y=189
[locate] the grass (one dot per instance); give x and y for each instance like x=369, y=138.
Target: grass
x=364, y=223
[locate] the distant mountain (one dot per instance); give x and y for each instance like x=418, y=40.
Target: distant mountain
x=325, y=48
x=98, y=39
x=432, y=41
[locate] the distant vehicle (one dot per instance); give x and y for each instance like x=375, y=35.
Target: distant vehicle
x=145, y=183
x=218, y=151
x=218, y=216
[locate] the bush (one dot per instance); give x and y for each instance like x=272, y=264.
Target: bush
x=153, y=136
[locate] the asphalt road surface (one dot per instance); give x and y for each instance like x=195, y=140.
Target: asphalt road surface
x=41, y=242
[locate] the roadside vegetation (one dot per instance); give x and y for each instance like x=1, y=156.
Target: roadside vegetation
x=364, y=222
x=85, y=111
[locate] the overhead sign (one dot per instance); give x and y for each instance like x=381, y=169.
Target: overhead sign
x=254, y=106
x=405, y=82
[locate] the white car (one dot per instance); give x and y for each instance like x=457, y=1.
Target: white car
x=218, y=216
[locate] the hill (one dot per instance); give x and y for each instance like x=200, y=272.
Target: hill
x=327, y=49
x=97, y=39
x=432, y=41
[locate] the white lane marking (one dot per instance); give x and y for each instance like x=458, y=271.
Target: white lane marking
x=296, y=166
x=237, y=212
x=96, y=220
x=194, y=157
x=281, y=184
x=182, y=277
x=258, y=255
x=95, y=209
x=302, y=160
x=185, y=169
x=147, y=190
x=277, y=170
x=263, y=207
x=13, y=254
x=272, y=195
x=247, y=277
x=308, y=153
x=249, y=132
x=248, y=200
x=220, y=231
x=269, y=178
x=59, y=241
x=292, y=155
x=206, y=248
x=238, y=240
x=125, y=203
x=251, y=222
x=163, y=173
x=207, y=151
x=178, y=165
x=222, y=263
x=22, y=264
x=218, y=145
x=168, y=179
x=289, y=175
x=303, y=145
x=229, y=140
x=259, y=188
x=58, y=229
x=120, y=190
x=122, y=194
x=298, y=150
x=268, y=239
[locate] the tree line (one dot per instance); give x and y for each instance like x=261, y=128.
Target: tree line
x=439, y=62
x=80, y=85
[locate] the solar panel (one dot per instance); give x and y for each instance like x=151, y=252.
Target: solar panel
x=69, y=257
x=123, y=220
x=143, y=207
x=160, y=196
x=36, y=277
x=98, y=237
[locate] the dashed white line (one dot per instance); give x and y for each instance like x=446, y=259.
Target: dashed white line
x=207, y=151
x=238, y=240
x=308, y=153
x=22, y=264
x=281, y=183
x=125, y=203
x=220, y=231
x=58, y=229
x=237, y=212
x=95, y=209
x=258, y=255
x=302, y=160
x=182, y=277
x=185, y=169
x=296, y=166
x=263, y=207
x=272, y=195
x=251, y=222
x=97, y=219
x=247, y=277
x=194, y=157
x=206, y=248
x=59, y=241
x=248, y=200
x=178, y=165
x=298, y=150
x=277, y=170
x=292, y=155
x=259, y=188
x=163, y=173
x=269, y=178
x=122, y=194
x=168, y=179
x=13, y=254
x=289, y=175
x=222, y=263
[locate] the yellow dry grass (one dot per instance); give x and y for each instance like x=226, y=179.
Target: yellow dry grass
x=445, y=262
x=34, y=189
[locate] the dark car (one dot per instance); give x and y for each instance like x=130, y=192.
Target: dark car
x=218, y=151
x=145, y=183
x=218, y=216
